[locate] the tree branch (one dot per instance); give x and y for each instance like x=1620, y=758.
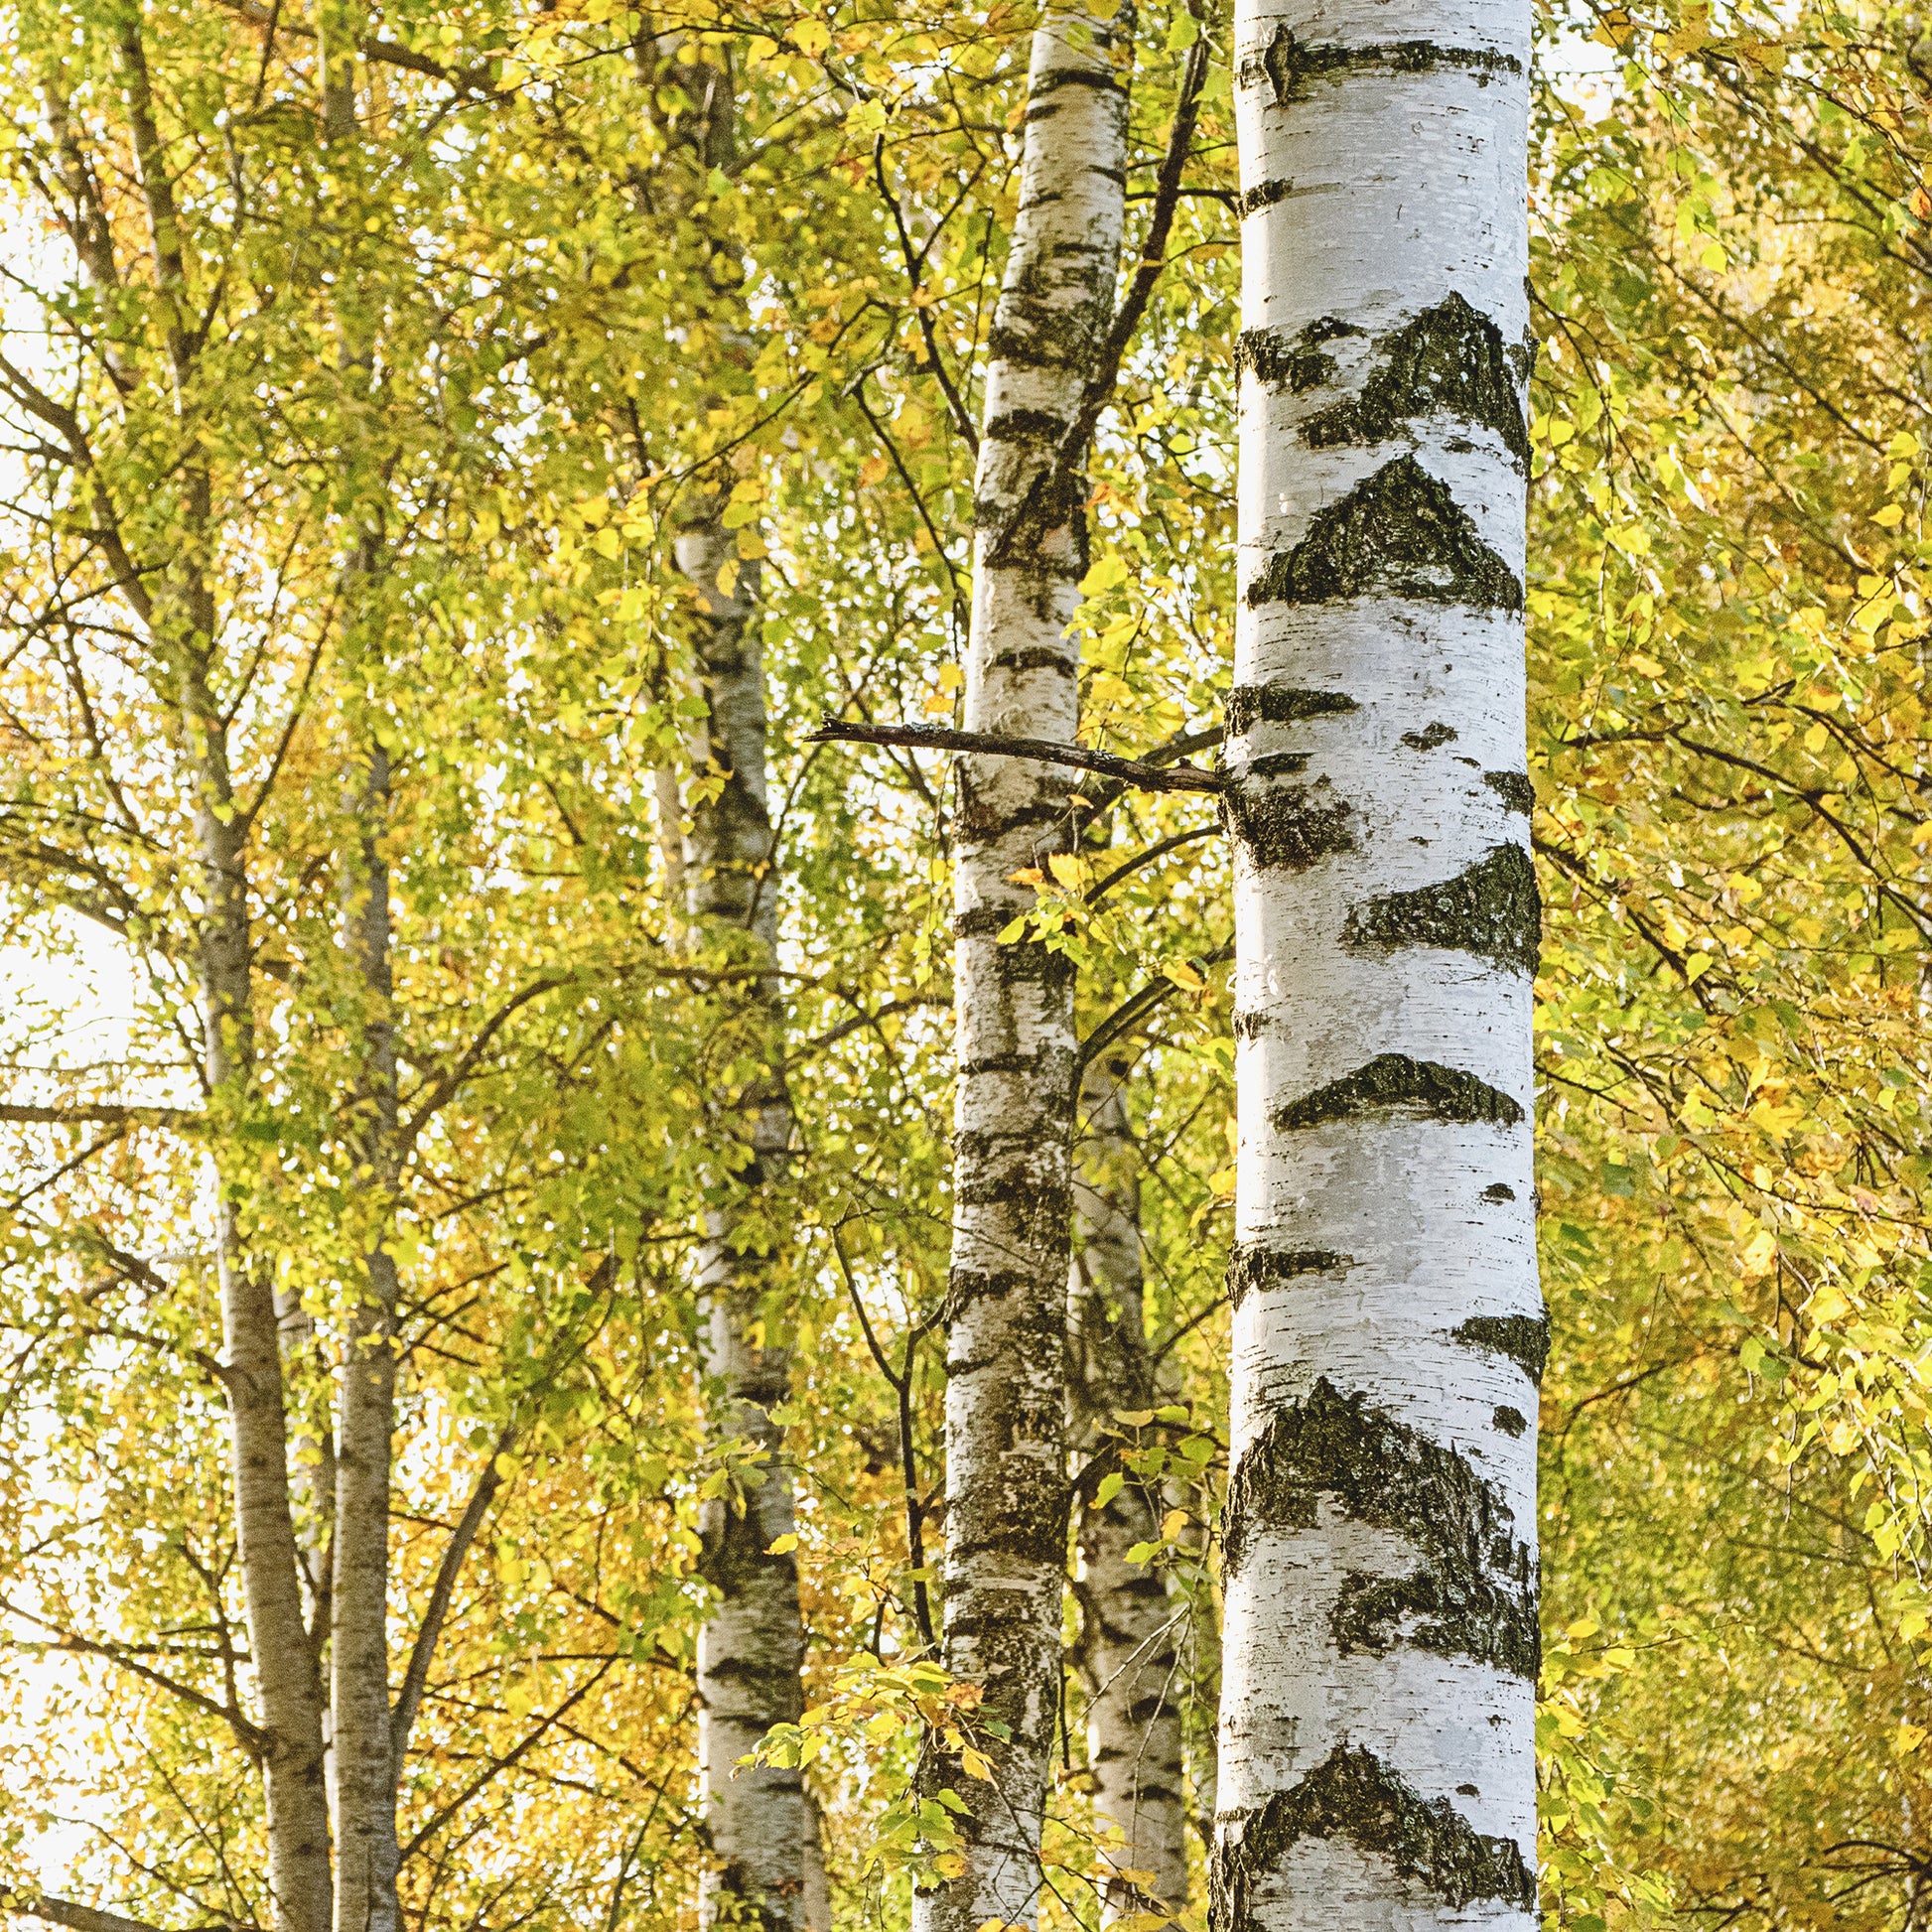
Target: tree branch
x=415, y=1680
x=111, y=1115
x=78, y=1918
x=1135, y=772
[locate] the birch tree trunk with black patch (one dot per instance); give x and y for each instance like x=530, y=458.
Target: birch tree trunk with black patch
x=1005, y=1563
x=751, y=1648
x=1377, y=1729
x=1128, y=1655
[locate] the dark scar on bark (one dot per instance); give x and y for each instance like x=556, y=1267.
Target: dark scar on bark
x=1491, y=908
x=1025, y=426
x=1428, y=737
x=1499, y=1191
x=1353, y=1795
x=1509, y=1421
x=1251, y=1268
x=1473, y=1591
x=1263, y=195
x=1524, y=1339
x=1295, y=362
x=1513, y=788
x=1449, y=360
x=1248, y=705
x=1393, y=1083
x=1287, y=827
x=1397, y=534
x=1291, y=66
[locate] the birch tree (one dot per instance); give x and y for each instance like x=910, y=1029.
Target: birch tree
x=1004, y=1565
x=1381, y=1629
x=1130, y=1656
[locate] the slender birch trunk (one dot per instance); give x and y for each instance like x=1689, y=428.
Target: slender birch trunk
x=287, y=1683
x=1130, y=1655
x=363, y=1758
x=182, y=621
x=1377, y=1735
x=752, y=1647
x=365, y=1764
x=1004, y=1565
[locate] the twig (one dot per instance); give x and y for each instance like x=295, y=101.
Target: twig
x=1135, y=772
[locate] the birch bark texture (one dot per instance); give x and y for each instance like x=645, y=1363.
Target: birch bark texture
x=1377, y=1729
x=1005, y=1561
x=182, y=618
x=763, y=1826
x=365, y=1761
x=1129, y=1657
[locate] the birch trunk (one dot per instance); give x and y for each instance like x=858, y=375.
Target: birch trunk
x=1377, y=1735
x=751, y=1648
x=1129, y=1657
x=363, y=1758
x=182, y=624
x=287, y=1682
x=1005, y=1563
x=365, y=1767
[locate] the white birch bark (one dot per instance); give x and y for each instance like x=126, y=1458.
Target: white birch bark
x=1377, y=1736
x=364, y=1762
x=362, y=1757
x=751, y=1650
x=1130, y=1650
x=183, y=620
x=1005, y=1563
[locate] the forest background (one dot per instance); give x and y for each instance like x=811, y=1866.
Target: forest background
x=425, y=394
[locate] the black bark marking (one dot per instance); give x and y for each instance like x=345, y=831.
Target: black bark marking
x=1513, y=788
x=1287, y=827
x=1491, y=908
x=1450, y=360
x=1250, y=705
x=1393, y=1083
x=1250, y=1268
x=1031, y=657
x=1292, y=66
x=1499, y=1191
x=1295, y=362
x=1428, y=737
x=1397, y=534
x=1474, y=1594
x=1265, y=194
x=1353, y=1795
x=1025, y=426
x=1524, y=1339
x=1509, y=1421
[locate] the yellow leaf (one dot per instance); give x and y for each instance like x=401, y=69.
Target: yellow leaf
x=811, y=36
x=1183, y=975
x=976, y=1764
x=1221, y=1180
x=1066, y=868
x=1891, y=517
x=783, y=1547
x=1911, y=1737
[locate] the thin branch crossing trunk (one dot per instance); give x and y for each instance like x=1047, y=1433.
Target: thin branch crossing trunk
x=1130, y=1656
x=1005, y=1565
x=1377, y=1735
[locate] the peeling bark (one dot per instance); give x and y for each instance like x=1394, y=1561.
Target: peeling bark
x=1377, y=1738
x=1004, y=1565
x=1129, y=1653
